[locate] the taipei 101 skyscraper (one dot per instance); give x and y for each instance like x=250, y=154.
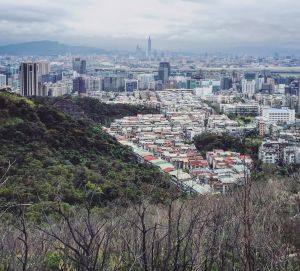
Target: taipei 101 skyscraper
x=149, y=47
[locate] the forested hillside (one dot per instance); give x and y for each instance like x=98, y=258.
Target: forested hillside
x=97, y=111
x=54, y=155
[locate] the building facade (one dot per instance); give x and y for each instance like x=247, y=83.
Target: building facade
x=248, y=87
x=3, y=82
x=278, y=116
x=164, y=71
x=79, y=65
x=279, y=152
x=29, y=79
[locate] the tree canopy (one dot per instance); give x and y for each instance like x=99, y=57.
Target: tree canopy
x=55, y=155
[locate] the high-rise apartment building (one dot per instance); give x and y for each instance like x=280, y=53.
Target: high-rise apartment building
x=149, y=49
x=29, y=79
x=79, y=85
x=79, y=65
x=2, y=80
x=114, y=83
x=226, y=83
x=43, y=68
x=94, y=83
x=298, y=107
x=164, y=71
x=248, y=87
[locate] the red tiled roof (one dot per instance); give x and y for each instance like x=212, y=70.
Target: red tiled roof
x=202, y=162
x=149, y=158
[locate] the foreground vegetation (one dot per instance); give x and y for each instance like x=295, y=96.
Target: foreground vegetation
x=256, y=228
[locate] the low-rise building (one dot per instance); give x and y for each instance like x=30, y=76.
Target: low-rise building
x=279, y=152
x=278, y=116
x=241, y=109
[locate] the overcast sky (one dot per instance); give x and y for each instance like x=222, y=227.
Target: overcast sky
x=185, y=25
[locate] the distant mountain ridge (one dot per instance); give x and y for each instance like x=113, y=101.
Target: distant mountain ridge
x=46, y=47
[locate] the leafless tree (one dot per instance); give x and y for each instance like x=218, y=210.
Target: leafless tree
x=4, y=178
x=252, y=228
x=82, y=237
x=23, y=238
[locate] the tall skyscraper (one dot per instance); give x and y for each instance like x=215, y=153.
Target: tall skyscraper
x=250, y=84
x=79, y=65
x=226, y=83
x=79, y=85
x=149, y=47
x=2, y=80
x=164, y=71
x=248, y=87
x=29, y=79
x=298, y=109
x=43, y=68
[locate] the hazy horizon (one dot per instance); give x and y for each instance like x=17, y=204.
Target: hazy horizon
x=176, y=25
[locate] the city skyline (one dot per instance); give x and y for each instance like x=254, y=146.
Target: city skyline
x=178, y=25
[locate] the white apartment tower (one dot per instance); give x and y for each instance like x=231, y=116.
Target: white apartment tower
x=248, y=87
x=43, y=68
x=2, y=80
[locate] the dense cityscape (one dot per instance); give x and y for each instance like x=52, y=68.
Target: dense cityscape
x=238, y=96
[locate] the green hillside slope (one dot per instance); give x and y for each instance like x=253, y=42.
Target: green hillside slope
x=56, y=156
x=95, y=110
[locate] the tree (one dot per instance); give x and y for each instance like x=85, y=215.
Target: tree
x=84, y=238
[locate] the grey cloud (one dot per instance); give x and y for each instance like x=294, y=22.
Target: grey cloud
x=201, y=2
x=175, y=24
x=28, y=15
